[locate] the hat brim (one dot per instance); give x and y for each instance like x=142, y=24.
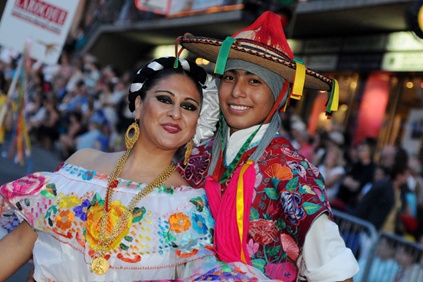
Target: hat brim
x=208, y=48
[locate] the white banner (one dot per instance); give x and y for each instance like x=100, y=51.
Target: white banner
x=43, y=24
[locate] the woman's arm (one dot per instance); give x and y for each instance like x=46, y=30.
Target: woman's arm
x=16, y=249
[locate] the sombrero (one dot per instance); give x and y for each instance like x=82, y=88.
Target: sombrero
x=262, y=43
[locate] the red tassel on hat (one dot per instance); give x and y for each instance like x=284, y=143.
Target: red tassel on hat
x=268, y=30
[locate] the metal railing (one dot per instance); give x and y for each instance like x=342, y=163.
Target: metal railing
x=383, y=257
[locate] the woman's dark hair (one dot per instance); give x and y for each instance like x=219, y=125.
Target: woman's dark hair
x=159, y=69
x=163, y=74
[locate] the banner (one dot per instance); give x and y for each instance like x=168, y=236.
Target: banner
x=173, y=7
x=45, y=24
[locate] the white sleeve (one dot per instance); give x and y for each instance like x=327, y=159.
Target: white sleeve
x=325, y=255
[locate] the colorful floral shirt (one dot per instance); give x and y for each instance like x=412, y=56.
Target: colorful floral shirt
x=288, y=196
x=169, y=227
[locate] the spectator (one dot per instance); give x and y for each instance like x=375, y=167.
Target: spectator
x=73, y=128
x=333, y=171
x=360, y=173
x=382, y=202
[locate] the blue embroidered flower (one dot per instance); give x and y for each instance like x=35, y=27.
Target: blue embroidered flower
x=81, y=210
x=199, y=223
x=292, y=207
x=88, y=174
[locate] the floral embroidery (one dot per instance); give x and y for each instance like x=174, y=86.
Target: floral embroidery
x=290, y=247
x=263, y=231
x=67, y=211
x=286, y=191
x=279, y=172
x=197, y=167
x=96, y=213
x=28, y=185
x=64, y=219
x=69, y=201
x=81, y=210
x=198, y=203
x=285, y=271
x=179, y=222
x=297, y=168
x=199, y=223
x=252, y=247
x=292, y=207
x=88, y=174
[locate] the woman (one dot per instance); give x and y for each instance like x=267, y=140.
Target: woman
x=332, y=170
x=119, y=216
x=268, y=201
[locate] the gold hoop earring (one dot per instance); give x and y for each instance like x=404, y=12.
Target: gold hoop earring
x=130, y=140
x=188, y=151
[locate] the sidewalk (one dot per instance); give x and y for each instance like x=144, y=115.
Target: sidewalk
x=40, y=160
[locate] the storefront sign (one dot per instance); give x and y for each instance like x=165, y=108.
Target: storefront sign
x=403, y=41
x=327, y=45
x=321, y=62
x=360, y=61
x=42, y=24
x=403, y=61
x=364, y=43
x=172, y=7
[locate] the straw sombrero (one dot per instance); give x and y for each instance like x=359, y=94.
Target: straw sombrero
x=262, y=43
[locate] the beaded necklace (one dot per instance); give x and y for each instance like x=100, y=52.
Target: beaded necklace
x=238, y=156
x=100, y=265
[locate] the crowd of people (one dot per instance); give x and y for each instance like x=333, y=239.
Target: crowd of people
x=80, y=104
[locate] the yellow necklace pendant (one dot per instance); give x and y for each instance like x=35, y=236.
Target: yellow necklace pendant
x=99, y=265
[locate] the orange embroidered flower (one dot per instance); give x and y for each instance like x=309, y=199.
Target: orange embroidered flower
x=179, y=222
x=96, y=213
x=186, y=255
x=279, y=171
x=64, y=219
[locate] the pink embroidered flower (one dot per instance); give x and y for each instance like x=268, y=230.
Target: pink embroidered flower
x=252, y=247
x=259, y=176
x=314, y=169
x=263, y=231
x=285, y=271
x=290, y=247
x=27, y=185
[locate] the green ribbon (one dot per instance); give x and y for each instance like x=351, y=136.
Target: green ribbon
x=223, y=55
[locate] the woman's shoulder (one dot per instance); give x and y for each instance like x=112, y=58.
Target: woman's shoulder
x=92, y=159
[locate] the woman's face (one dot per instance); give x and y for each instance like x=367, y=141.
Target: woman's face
x=245, y=99
x=169, y=113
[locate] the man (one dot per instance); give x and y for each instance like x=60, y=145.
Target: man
x=268, y=201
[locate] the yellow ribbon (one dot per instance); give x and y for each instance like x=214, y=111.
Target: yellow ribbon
x=240, y=205
x=299, y=80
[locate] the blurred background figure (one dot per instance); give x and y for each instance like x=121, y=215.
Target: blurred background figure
x=333, y=171
x=359, y=174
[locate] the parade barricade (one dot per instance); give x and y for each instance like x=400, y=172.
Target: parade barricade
x=394, y=259
x=360, y=236
x=383, y=257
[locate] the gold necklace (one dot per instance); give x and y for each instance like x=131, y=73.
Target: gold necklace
x=100, y=265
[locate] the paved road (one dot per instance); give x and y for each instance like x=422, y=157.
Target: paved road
x=40, y=160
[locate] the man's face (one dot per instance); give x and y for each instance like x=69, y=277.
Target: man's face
x=245, y=99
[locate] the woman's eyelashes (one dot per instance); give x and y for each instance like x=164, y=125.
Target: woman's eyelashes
x=184, y=105
x=164, y=99
x=189, y=106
